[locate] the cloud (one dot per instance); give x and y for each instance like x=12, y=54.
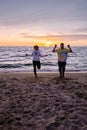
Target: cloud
x=73, y=39
x=81, y=30
x=71, y=36
x=45, y=12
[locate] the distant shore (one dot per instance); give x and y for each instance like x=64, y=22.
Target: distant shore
x=44, y=103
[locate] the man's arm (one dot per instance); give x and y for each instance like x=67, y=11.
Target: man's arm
x=70, y=50
x=54, y=49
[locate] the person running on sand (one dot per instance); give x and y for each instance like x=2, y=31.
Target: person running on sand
x=62, y=57
x=36, y=59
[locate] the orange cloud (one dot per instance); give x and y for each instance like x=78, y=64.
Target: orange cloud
x=46, y=40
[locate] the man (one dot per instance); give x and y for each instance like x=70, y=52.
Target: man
x=62, y=57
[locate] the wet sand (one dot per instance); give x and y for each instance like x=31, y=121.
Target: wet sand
x=45, y=103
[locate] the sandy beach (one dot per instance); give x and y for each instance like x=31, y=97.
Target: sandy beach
x=45, y=103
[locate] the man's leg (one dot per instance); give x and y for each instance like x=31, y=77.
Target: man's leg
x=63, y=71
x=60, y=67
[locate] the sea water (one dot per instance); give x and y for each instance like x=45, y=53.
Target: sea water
x=14, y=59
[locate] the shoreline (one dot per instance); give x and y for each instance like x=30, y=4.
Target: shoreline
x=43, y=72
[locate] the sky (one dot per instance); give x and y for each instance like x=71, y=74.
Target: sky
x=43, y=22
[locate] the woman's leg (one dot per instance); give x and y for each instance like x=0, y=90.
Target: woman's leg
x=38, y=64
x=34, y=66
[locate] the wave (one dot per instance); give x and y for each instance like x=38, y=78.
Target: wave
x=14, y=59
x=14, y=65
x=49, y=64
x=10, y=66
x=27, y=64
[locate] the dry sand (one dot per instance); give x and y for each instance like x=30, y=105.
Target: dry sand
x=45, y=103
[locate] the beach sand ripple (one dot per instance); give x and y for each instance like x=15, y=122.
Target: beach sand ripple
x=44, y=103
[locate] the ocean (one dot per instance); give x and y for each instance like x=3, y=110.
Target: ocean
x=13, y=59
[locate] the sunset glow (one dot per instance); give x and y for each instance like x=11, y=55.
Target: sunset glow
x=27, y=23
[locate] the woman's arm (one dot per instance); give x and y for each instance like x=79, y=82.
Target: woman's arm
x=28, y=55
